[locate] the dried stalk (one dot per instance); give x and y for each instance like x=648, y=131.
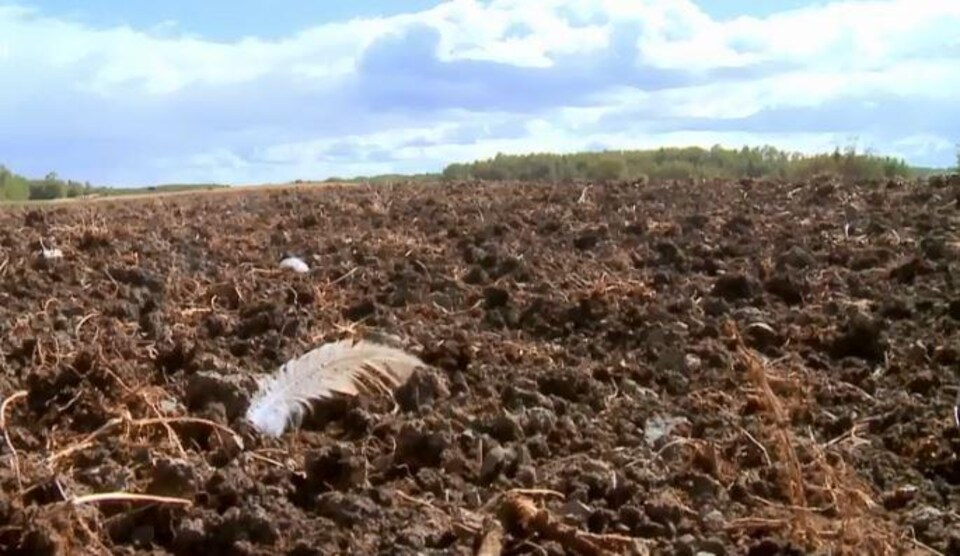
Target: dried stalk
x=14, y=457
x=520, y=514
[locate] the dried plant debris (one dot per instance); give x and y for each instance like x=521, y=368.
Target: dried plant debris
x=714, y=370
x=521, y=515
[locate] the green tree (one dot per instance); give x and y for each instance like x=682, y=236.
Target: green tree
x=12, y=186
x=50, y=187
x=607, y=169
x=74, y=189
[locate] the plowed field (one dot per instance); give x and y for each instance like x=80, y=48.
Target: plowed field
x=715, y=368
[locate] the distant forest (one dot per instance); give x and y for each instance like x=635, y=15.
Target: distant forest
x=18, y=188
x=684, y=163
x=664, y=163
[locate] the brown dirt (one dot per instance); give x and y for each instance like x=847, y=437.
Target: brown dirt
x=726, y=368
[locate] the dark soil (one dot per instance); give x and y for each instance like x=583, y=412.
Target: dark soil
x=598, y=344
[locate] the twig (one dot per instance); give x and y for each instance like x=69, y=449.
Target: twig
x=195, y=420
x=755, y=523
x=14, y=457
x=127, y=497
x=537, y=492
x=766, y=455
x=171, y=434
x=852, y=433
x=265, y=459
x=86, y=442
x=519, y=513
x=76, y=330
x=916, y=542
x=417, y=501
x=344, y=276
x=583, y=195
x=678, y=442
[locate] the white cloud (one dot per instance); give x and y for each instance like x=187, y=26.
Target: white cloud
x=468, y=78
x=125, y=60
x=850, y=34
x=510, y=32
x=917, y=79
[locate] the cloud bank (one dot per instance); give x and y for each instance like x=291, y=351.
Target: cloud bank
x=468, y=79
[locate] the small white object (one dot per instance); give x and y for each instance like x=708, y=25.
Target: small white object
x=51, y=253
x=659, y=427
x=956, y=410
x=295, y=264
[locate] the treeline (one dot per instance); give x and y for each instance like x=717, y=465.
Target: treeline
x=14, y=187
x=18, y=188
x=166, y=188
x=682, y=163
x=384, y=179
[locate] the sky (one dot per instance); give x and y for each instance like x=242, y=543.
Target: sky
x=245, y=92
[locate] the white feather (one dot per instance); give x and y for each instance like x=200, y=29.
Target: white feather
x=338, y=368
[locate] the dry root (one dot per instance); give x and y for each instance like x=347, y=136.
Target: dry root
x=856, y=529
x=14, y=457
x=75, y=518
x=521, y=516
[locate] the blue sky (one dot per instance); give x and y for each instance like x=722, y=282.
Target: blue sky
x=133, y=93
x=223, y=21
